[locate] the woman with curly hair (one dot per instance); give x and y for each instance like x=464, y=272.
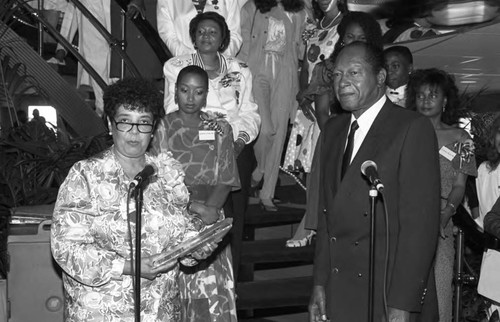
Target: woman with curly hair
x=173, y=18
x=93, y=234
x=271, y=32
x=433, y=93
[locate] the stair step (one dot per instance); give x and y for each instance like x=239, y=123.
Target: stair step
x=273, y=251
x=284, y=216
x=274, y=293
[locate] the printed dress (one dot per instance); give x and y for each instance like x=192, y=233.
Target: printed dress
x=305, y=133
x=460, y=160
x=207, y=290
x=90, y=239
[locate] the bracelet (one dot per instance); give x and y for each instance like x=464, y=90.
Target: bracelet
x=197, y=220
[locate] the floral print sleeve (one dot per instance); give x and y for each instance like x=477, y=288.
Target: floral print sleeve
x=73, y=244
x=90, y=238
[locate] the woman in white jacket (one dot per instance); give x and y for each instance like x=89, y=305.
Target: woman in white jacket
x=173, y=17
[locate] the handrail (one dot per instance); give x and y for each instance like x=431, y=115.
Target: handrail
x=113, y=42
x=150, y=34
x=54, y=33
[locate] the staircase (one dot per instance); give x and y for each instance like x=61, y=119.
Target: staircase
x=273, y=279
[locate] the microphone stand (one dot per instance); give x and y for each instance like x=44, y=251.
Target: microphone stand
x=138, y=194
x=373, y=196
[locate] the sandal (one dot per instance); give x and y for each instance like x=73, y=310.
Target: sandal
x=292, y=243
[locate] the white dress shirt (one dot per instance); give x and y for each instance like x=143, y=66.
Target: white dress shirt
x=398, y=95
x=365, y=122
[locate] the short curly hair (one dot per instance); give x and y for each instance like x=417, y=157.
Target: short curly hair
x=370, y=26
x=435, y=78
x=403, y=51
x=134, y=94
x=218, y=19
x=193, y=69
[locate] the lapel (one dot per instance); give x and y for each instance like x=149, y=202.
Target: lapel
x=372, y=142
x=334, y=147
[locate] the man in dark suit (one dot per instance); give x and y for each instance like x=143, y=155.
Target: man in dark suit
x=404, y=147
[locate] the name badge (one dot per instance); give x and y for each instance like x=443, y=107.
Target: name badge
x=447, y=153
x=206, y=135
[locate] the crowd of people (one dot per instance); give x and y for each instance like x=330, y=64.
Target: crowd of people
x=242, y=72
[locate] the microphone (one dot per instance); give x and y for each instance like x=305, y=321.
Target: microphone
x=143, y=176
x=369, y=170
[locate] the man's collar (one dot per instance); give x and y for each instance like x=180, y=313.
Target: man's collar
x=366, y=119
x=398, y=91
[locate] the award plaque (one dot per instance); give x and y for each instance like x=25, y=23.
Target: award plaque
x=213, y=233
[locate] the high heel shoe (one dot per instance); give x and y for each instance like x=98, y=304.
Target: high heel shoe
x=268, y=205
x=291, y=243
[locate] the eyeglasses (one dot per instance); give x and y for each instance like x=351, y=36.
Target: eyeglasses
x=127, y=127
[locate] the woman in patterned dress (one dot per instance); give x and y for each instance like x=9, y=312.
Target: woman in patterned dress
x=202, y=143
x=433, y=93
x=93, y=230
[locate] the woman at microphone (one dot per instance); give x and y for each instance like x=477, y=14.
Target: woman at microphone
x=93, y=230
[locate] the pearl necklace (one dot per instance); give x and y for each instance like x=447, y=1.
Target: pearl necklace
x=331, y=23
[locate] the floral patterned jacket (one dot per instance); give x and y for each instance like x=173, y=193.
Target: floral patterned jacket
x=90, y=240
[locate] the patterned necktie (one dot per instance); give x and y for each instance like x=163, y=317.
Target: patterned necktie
x=346, y=160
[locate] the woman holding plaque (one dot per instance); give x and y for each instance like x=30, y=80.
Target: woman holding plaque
x=203, y=143
x=93, y=230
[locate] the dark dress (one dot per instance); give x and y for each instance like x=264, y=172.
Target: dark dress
x=207, y=290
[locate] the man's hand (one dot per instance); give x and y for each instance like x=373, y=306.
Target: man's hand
x=397, y=315
x=239, y=145
x=317, y=306
x=136, y=8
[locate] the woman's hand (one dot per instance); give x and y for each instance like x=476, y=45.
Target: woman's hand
x=136, y=8
x=148, y=270
x=239, y=145
x=208, y=214
x=446, y=214
x=308, y=110
x=205, y=251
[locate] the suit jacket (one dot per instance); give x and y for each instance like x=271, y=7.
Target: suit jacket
x=403, y=145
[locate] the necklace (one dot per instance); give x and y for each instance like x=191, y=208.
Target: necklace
x=331, y=22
